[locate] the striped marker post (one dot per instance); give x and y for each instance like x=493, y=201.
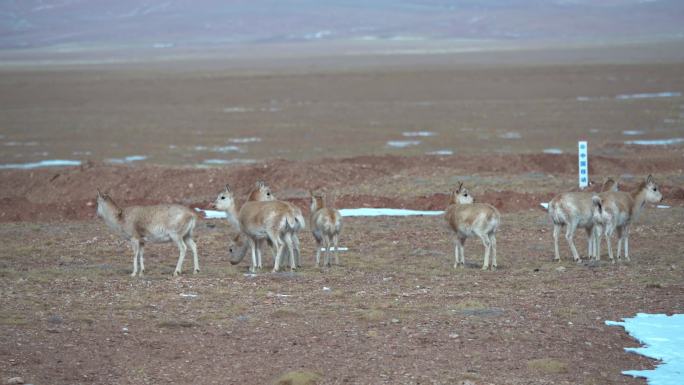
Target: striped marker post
x=583, y=162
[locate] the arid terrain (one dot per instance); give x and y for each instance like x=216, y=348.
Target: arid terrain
x=395, y=311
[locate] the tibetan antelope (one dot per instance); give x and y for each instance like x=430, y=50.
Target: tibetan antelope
x=154, y=224
x=271, y=220
x=326, y=225
x=573, y=210
x=614, y=211
x=262, y=192
x=467, y=219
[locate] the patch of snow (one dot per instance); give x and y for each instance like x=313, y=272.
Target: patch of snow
x=554, y=151
x=402, y=143
x=163, y=45
x=42, y=163
x=238, y=109
x=663, y=337
x=189, y=295
x=339, y=248
x=632, y=132
x=228, y=161
x=656, y=142
x=317, y=35
x=441, y=152
x=511, y=135
x=374, y=212
x=663, y=206
x=245, y=140
x=649, y=95
x=128, y=159
x=419, y=133
x=212, y=214
x=14, y=144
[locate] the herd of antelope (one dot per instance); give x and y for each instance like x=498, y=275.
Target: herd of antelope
x=264, y=220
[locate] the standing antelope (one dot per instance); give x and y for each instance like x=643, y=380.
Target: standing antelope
x=573, y=210
x=326, y=225
x=262, y=192
x=155, y=224
x=467, y=219
x=615, y=211
x=272, y=220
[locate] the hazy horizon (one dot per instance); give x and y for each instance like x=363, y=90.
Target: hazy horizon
x=169, y=24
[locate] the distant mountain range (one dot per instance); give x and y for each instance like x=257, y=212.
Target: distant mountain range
x=179, y=23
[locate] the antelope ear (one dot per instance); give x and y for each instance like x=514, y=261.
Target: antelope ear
x=460, y=186
x=227, y=188
x=260, y=184
x=99, y=194
x=649, y=178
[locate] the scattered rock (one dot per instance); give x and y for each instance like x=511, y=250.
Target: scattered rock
x=55, y=320
x=560, y=269
x=395, y=320
x=14, y=381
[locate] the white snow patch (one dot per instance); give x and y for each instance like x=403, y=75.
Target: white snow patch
x=360, y=212
x=511, y=135
x=163, y=45
x=14, y=144
x=229, y=161
x=663, y=340
x=374, y=212
x=632, y=132
x=188, y=295
x=663, y=206
x=656, y=142
x=245, y=140
x=238, y=109
x=441, y=152
x=128, y=159
x=339, y=248
x=402, y=143
x=649, y=95
x=554, y=151
x=42, y=163
x=219, y=149
x=419, y=133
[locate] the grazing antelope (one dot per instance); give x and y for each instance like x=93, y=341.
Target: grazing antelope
x=614, y=211
x=573, y=210
x=272, y=220
x=326, y=225
x=262, y=192
x=467, y=219
x=155, y=224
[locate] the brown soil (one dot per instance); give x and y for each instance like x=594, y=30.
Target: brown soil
x=396, y=311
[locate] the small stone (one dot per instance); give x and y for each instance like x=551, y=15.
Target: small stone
x=453, y=335
x=560, y=269
x=124, y=329
x=395, y=320
x=15, y=381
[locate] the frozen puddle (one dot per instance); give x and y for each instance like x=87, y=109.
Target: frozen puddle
x=656, y=142
x=419, y=133
x=554, y=151
x=663, y=337
x=128, y=159
x=402, y=143
x=361, y=212
x=42, y=163
x=376, y=212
